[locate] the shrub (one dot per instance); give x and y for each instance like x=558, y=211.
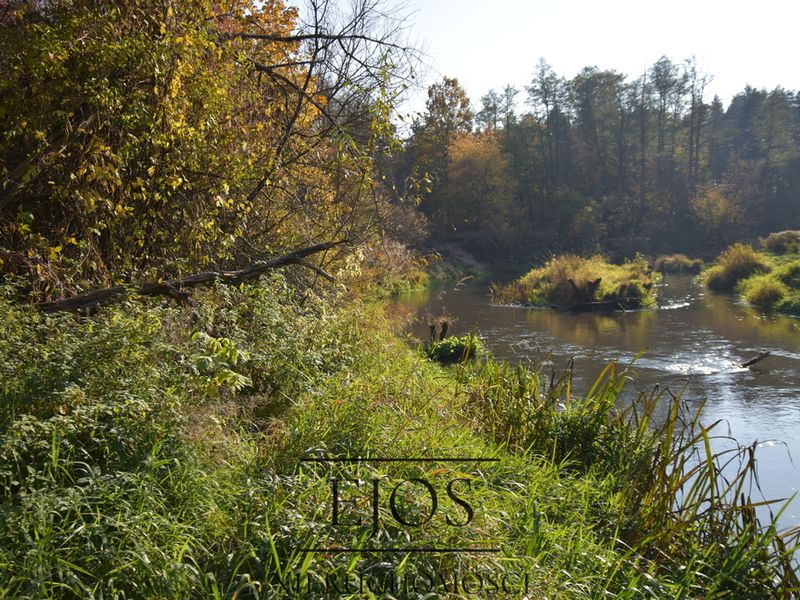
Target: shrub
x=782, y=242
x=455, y=349
x=678, y=263
x=735, y=264
x=764, y=291
x=790, y=274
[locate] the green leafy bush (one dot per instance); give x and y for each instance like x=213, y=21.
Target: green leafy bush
x=455, y=349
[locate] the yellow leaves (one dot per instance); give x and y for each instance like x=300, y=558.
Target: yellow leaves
x=54, y=252
x=175, y=181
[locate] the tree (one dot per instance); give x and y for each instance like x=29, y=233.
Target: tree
x=720, y=218
x=152, y=137
x=487, y=117
x=477, y=199
x=447, y=115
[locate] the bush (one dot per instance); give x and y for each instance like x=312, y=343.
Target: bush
x=789, y=274
x=678, y=263
x=735, y=264
x=764, y=291
x=455, y=349
x=782, y=242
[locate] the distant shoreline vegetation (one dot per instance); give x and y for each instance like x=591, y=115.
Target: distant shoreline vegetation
x=574, y=283
x=768, y=279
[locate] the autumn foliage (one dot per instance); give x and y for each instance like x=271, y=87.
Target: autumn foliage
x=150, y=138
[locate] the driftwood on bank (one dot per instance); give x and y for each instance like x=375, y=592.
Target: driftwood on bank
x=176, y=288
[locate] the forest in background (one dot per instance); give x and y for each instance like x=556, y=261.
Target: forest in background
x=604, y=162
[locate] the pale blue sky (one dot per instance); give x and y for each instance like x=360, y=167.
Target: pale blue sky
x=490, y=43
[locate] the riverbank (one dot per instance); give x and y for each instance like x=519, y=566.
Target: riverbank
x=768, y=279
x=159, y=451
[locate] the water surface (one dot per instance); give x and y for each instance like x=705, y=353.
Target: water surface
x=695, y=342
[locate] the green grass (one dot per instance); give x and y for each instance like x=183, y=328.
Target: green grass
x=154, y=452
x=769, y=280
x=566, y=281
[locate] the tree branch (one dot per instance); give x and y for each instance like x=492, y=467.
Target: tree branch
x=174, y=287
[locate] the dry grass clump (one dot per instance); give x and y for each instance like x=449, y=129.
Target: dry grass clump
x=735, y=264
x=569, y=281
x=678, y=263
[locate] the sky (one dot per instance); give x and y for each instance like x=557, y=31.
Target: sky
x=491, y=43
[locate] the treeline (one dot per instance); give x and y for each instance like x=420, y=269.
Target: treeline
x=604, y=161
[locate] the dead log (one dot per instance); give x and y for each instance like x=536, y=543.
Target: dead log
x=755, y=360
x=175, y=288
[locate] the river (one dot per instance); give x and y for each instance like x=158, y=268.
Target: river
x=695, y=342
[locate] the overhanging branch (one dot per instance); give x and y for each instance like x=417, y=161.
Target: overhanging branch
x=175, y=287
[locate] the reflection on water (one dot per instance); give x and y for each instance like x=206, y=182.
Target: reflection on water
x=696, y=343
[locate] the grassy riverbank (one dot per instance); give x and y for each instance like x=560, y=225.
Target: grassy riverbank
x=576, y=282
x=768, y=279
x=152, y=451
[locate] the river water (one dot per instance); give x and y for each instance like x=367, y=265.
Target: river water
x=694, y=343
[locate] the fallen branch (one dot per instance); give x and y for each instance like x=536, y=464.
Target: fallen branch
x=175, y=287
x=755, y=360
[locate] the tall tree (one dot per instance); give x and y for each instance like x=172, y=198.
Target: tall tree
x=488, y=115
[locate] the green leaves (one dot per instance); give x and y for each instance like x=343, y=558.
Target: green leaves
x=215, y=365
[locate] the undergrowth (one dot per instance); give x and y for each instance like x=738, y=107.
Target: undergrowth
x=151, y=451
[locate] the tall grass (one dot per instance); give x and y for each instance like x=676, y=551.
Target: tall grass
x=566, y=281
x=768, y=280
x=678, y=263
x=683, y=512
x=735, y=264
x=155, y=452
x=782, y=242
